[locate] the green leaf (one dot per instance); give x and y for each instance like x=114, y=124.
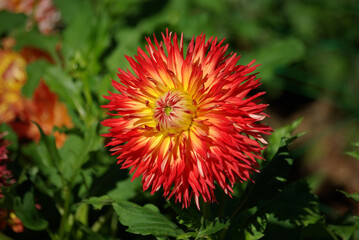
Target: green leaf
x=85, y=179
x=89, y=144
x=85, y=37
x=280, y=230
x=144, y=221
x=82, y=213
x=316, y=231
x=35, y=72
x=295, y=204
x=213, y=227
x=276, y=53
x=69, y=9
x=271, y=179
x=12, y=21
x=345, y=232
x=188, y=217
x=28, y=213
x=75, y=153
x=49, y=142
x=69, y=155
x=248, y=224
x=354, y=154
x=187, y=235
x=354, y=196
x=253, y=233
x=129, y=41
x=35, y=39
x=91, y=235
x=4, y=237
x=99, y=202
x=10, y=136
x=125, y=190
x=77, y=33
x=62, y=84
x=49, y=160
x=282, y=136
x=152, y=207
x=99, y=41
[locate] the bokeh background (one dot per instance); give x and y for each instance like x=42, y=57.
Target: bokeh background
x=308, y=51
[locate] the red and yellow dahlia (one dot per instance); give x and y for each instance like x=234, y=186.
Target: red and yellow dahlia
x=187, y=122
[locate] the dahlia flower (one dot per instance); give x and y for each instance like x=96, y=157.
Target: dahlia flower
x=187, y=122
x=44, y=109
x=13, y=76
x=8, y=218
x=18, y=111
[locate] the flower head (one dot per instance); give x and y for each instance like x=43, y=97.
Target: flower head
x=45, y=109
x=8, y=218
x=187, y=122
x=19, y=111
x=12, y=78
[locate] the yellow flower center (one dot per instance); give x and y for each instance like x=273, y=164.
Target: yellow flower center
x=173, y=112
x=168, y=110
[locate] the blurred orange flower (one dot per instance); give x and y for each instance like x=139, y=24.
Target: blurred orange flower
x=19, y=112
x=12, y=78
x=8, y=218
x=44, y=109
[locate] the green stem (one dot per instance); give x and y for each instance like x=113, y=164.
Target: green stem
x=89, y=101
x=331, y=233
x=205, y=211
x=114, y=223
x=243, y=201
x=238, y=209
x=64, y=218
x=4, y=237
x=52, y=236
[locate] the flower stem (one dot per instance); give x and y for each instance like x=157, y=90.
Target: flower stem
x=243, y=201
x=64, y=218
